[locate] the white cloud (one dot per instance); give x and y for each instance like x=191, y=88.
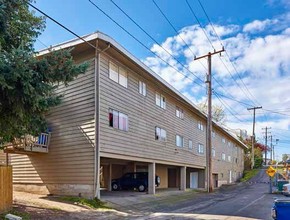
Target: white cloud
x=262, y=62
x=258, y=26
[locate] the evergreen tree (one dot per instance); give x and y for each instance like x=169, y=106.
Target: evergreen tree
x=27, y=82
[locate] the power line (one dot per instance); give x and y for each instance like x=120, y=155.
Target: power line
x=61, y=25
x=144, y=31
x=114, y=21
x=223, y=46
x=232, y=112
x=170, y=23
x=196, y=18
x=210, y=42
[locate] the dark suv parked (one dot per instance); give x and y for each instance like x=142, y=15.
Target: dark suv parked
x=138, y=180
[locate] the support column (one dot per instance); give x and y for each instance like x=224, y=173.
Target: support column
x=110, y=178
x=151, y=178
x=183, y=178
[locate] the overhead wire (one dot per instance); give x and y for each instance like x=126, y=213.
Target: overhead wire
x=141, y=43
x=153, y=39
x=61, y=25
x=213, y=28
x=176, y=31
x=210, y=42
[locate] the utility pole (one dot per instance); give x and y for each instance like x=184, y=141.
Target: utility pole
x=266, y=140
x=253, y=136
x=209, y=119
x=271, y=138
x=274, y=148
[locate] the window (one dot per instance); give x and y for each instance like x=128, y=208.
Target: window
x=229, y=144
x=142, y=88
x=118, y=120
x=224, y=140
x=160, y=134
x=223, y=156
x=118, y=74
x=200, y=149
x=179, y=141
x=213, y=133
x=190, y=144
x=229, y=158
x=160, y=100
x=213, y=152
x=200, y=126
x=179, y=112
x=236, y=159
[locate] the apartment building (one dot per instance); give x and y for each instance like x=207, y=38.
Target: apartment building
x=122, y=117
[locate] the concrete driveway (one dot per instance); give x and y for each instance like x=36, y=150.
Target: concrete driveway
x=241, y=201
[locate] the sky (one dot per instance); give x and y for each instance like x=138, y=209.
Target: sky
x=254, y=71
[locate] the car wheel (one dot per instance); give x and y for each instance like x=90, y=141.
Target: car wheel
x=115, y=186
x=141, y=188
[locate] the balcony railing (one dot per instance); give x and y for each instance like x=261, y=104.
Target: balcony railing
x=29, y=143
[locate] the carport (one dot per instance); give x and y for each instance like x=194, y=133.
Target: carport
x=172, y=176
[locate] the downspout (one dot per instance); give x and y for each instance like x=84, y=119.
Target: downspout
x=97, y=120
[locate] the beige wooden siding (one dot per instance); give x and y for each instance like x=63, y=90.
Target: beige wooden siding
x=71, y=152
x=144, y=115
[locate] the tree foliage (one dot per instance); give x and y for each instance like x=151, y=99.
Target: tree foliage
x=218, y=113
x=27, y=82
x=258, y=153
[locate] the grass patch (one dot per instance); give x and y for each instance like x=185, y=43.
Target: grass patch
x=248, y=174
x=24, y=215
x=92, y=203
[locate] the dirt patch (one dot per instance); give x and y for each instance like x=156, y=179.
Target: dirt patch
x=32, y=206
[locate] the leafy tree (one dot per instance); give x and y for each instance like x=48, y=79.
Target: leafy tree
x=284, y=157
x=27, y=82
x=258, y=153
x=218, y=113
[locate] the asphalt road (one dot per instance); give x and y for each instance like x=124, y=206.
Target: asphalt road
x=253, y=201
x=242, y=201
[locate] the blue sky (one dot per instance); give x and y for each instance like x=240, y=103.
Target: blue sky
x=256, y=36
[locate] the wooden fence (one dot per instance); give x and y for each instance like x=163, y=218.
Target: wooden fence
x=6, y=188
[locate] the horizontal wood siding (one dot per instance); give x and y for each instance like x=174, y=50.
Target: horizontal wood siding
x=144, y=115
x=71, y=152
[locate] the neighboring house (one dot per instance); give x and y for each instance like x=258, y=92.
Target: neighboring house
x=120, y=117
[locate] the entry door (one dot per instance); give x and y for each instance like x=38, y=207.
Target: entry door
x=172, y=178
x=194, y=180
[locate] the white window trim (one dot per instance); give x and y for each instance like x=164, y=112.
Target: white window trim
x=142, y=88
x=119, y=70
x=200, y=148
x=118, y=114
x=190, y=144
x=223, y=156
x=160, y=100
x=182, y=140
x=179, y=112
x=160, y=137
x=200, y=125
x=213, y=152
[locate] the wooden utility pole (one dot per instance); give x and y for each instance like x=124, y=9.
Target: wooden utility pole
x=253, y=136
x=266, y=142
x=209, y=120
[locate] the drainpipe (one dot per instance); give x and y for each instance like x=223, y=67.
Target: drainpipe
x=97, y=119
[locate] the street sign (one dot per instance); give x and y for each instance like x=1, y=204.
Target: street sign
x=271, y=171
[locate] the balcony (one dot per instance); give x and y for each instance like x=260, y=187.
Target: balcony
x=29, y=144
